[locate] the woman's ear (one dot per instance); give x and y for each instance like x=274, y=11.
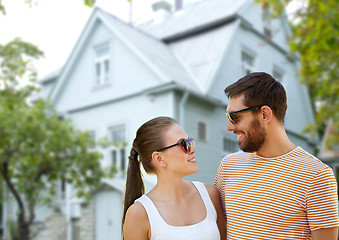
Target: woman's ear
x=158, y=159
x=266, y=114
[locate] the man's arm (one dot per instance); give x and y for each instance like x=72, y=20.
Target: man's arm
x=325, y=234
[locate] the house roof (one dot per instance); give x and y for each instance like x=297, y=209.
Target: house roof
x=176, y=61
x=194, y=18
x=51, y=76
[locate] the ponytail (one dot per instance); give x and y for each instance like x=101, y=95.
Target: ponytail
x=134, y=183
x=149, y=138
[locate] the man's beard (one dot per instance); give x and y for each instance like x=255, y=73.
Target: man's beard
x=255, y=138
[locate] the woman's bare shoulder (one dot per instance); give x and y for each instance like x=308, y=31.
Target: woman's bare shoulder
x=136, y=224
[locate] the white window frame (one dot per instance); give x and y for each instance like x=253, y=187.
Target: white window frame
x=101, y=61
x=119, y=148
x=247, y=66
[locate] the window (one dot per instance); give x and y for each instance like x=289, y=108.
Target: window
x=202, y=131
x=92, y=134
x=230, y=146
x=118, y=151
x=268, y=32
x=278, y=74
x=247, y=60
x=102, y=65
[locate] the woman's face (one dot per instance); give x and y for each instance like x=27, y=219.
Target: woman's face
x=177, y=161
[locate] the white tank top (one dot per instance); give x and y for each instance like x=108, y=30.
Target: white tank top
x=207, y=229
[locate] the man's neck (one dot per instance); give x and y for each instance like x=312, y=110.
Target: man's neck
x=276, y=144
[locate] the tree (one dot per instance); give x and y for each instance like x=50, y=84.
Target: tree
x=315, y=38
x=37, y=148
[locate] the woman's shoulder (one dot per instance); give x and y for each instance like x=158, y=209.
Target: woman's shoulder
x=136, y=211
x=136, y=222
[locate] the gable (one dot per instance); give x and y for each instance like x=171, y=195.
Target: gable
x=202, y=53
x=79, y=88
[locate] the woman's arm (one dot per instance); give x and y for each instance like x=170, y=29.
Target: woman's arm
x=136, y=226
x=221, y=222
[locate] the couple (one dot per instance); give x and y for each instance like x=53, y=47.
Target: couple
x=271, y=189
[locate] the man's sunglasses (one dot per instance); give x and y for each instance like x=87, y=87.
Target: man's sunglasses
x=186, y=145
x=231, y=115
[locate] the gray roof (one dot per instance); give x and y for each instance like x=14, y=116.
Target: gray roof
x=196, y=17
x=202, y=53
x=157, y=52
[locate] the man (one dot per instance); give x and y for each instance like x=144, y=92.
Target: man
x=272, y=189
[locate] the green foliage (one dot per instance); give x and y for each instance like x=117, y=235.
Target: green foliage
x=316, y=39
x=37, y=148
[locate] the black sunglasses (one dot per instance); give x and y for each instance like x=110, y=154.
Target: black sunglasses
x=186, y=145
x=231, y=115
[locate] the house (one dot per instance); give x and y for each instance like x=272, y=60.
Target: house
x=118, y=76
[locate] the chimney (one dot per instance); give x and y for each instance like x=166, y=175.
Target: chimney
x=162, y=10
x=178, y=5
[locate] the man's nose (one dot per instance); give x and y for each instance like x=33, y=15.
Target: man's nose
x=230, y=125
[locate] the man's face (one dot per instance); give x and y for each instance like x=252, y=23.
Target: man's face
x=251, y=135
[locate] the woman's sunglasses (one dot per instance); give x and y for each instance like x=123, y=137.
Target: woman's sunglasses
x=186, y=145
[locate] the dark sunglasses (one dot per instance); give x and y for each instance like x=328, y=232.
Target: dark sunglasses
x=231, y=115
x=186, y=145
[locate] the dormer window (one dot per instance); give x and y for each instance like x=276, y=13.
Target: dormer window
x=102, y=65
x=268, y=32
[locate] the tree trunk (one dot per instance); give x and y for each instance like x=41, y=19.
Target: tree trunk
x=23, y=229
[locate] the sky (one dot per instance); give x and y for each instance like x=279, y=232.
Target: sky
x=55, y=25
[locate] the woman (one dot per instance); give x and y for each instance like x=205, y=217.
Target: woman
x=174, y=208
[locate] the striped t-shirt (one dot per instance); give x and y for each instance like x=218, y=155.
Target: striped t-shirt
x=284, y=197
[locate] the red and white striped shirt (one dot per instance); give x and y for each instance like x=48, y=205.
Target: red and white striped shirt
x=284, y=197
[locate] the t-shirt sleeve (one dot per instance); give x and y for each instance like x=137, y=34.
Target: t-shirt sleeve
x=220, y=184
x=322, y=201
